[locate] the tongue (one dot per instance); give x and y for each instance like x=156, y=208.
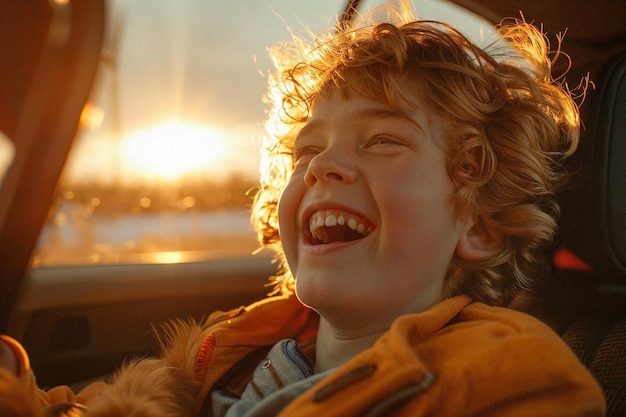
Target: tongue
x=330, y=234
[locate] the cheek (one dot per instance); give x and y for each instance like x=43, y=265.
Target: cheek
x=288, y=205
x=420, y=212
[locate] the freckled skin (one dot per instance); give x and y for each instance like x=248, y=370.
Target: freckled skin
x=357, y=155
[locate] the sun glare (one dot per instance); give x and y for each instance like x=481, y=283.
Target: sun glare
x=174, y=149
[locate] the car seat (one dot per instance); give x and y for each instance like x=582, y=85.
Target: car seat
x=590, y=255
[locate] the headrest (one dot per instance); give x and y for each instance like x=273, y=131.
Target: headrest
x=593, y=224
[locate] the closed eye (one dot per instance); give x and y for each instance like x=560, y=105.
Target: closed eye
x=304, y=153
x=379, y=140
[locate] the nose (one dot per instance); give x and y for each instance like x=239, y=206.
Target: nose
x=331, y=165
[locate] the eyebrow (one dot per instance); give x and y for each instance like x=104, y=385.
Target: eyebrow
x=366, y=113
x=375, y=113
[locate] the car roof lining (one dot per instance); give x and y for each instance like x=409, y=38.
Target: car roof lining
x=588, y=45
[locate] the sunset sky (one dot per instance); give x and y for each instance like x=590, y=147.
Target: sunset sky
x=184, y=93
x=195, y=65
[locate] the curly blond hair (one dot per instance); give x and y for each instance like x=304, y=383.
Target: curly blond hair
x=508, y=125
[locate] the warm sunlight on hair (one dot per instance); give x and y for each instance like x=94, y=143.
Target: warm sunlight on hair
x=175, y=149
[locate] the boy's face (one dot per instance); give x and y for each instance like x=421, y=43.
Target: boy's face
x=367, y=221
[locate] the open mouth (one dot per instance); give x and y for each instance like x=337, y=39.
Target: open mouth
x=333, y=226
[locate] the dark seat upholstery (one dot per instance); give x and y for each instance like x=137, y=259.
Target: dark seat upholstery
x=601, y=345
x=590, y=256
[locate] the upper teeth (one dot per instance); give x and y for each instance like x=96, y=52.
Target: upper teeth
x=336, y=217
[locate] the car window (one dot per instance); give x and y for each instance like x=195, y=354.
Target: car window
x=165, y=162
x=7, y=153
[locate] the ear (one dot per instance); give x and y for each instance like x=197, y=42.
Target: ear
x=479, y=241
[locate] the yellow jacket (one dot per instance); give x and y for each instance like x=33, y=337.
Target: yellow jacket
x=458, y=358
